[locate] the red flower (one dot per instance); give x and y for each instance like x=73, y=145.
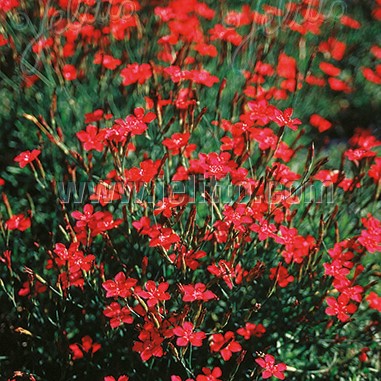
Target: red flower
x=364, y=139
x=315, y=81
x=358, y=154
x=283, y=174
x=219, y=32
x=284, y=152
x=149, y=344
x=334, y=47
x=340, y=307
x=186, y=335
x=338, y=85
x=103, y=221
x=87, y=346
x=239, y=216
x=320, y=123
x=123, y=127
x=354, y=292
x=69, y=72
x=164, y=237
x=177, y=74
x=92, y=139
x=121, y=378
x=166, y=205
x=363, y=357
x=146, y=172
x=85, y=217
x=329, y=69
x=223, y=270
x=225, y=344
x=18, y=222
x=8, y=5
x=176, y=142
x=95, y=116
x=204, y=11
x=206, y=50
x=109, y=62
x=284, y=118
x=250, y=330
x=203, y=77
x=210, y=374
x=375, y=170
x=258, y=112
x=265, y=137
x=143, y=225
x=370, y=236
x=213, y=165
x=178, y=378
x=286, y=66
x=3, y=40
x=350, y=22
x=154, y=294
x=376, y=51
x=283, y=278
x=121, y=286
x=270, y=368
x=136, y=73
x=239, y=18
x=189, y=258
x=38, y=288
x=264, y=229
x=26, y=157
x=41, y=44
x=371, y=75
x=80, y=262
x=197, y=292
x=336, y=269
x=6, y=258
x=144, y=117
x=374, y=301
x=118, y=315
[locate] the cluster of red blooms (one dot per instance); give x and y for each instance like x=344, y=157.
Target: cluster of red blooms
x=76, y=263
x=94, y=139
x=370, y=237
x=149, y=302
x=343, y=257
x=167, y=269
x=89, y=224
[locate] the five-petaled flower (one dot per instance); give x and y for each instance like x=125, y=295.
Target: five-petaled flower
x=225, y=344
x=27, y=157
x=340, y=307
x=197, y=292
x=118, y=314
x=270, y=368
x=92, y=139
x=120, y=286
x=154, y=294
x=18, y=222
x=250, y=330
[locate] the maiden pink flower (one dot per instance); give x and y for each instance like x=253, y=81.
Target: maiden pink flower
x=270, y=368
